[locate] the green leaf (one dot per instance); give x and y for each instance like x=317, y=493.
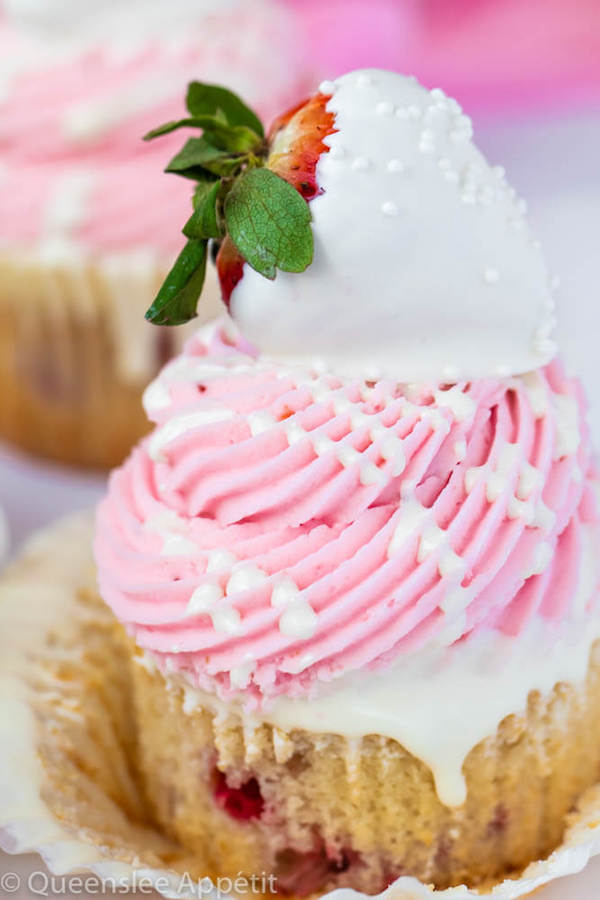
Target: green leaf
x=269, y=222
x=177, y=299
x=233, y=138
x=195, y=152
x=203, y=189
x=167, y=128
x=209, y=99
x=198, y=154
x=203, y=223
x=236, y=139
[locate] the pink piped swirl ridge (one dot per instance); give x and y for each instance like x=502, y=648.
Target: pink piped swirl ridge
x=281, y=526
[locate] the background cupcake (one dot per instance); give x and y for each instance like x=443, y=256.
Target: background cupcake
x=89, y=224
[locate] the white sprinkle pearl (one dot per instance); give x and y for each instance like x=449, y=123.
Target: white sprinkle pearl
x=203, y=598
x=395, y=165
x=245, y=578
x=284, y=591
x=361, y=164
x=220, y=560
x=389, y=208
x=364, y=80
x=426, y=142
x=327, y=87
x=177, y=545
x=491, y=276
x=298, y=621
x=385, y=108
x=337, y=152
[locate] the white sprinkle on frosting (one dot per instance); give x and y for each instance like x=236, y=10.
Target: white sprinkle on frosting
x=180, y=425
x=259, y=422
x=221, y=560
x=178, y=545
x=156, y=397
x=431, y=538
x=298, y=620
x=285, y=590
x=239, y=676
x=455, y=399
x=411, y=517
x=542, y=556
x=245, y=578
x=568, y=436
x=204, y=598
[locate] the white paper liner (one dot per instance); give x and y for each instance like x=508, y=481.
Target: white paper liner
x=45, y=616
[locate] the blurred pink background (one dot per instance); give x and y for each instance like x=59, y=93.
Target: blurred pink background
x=489, y=54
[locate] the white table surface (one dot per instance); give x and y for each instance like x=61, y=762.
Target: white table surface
x=555, y=165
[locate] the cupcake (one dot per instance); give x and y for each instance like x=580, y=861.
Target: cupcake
x=89, y=224
x=354, y=566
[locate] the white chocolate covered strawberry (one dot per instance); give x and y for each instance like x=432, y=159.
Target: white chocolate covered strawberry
x=424, y=268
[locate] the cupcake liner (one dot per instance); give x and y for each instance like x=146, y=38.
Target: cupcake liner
x=76, y=353
x=65, y=729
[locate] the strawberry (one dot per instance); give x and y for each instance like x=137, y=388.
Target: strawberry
x=295, y=143
x=251, y=193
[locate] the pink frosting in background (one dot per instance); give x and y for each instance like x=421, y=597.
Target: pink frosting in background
x=330, y=525
x=489, y=54
x=71, y=123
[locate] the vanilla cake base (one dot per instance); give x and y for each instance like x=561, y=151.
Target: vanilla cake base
x=322, y=811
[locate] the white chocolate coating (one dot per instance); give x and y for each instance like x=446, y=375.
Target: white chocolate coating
x=424, y=266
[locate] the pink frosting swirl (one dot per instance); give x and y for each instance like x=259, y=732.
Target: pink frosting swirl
x=282, y=526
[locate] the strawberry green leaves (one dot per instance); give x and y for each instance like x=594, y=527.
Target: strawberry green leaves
x=211, y=99
x=226, y=121
x=177, y=299
x=230, y=138
x=199, y=154
x=269, y=223
x=204, y=221
x=235, y=195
